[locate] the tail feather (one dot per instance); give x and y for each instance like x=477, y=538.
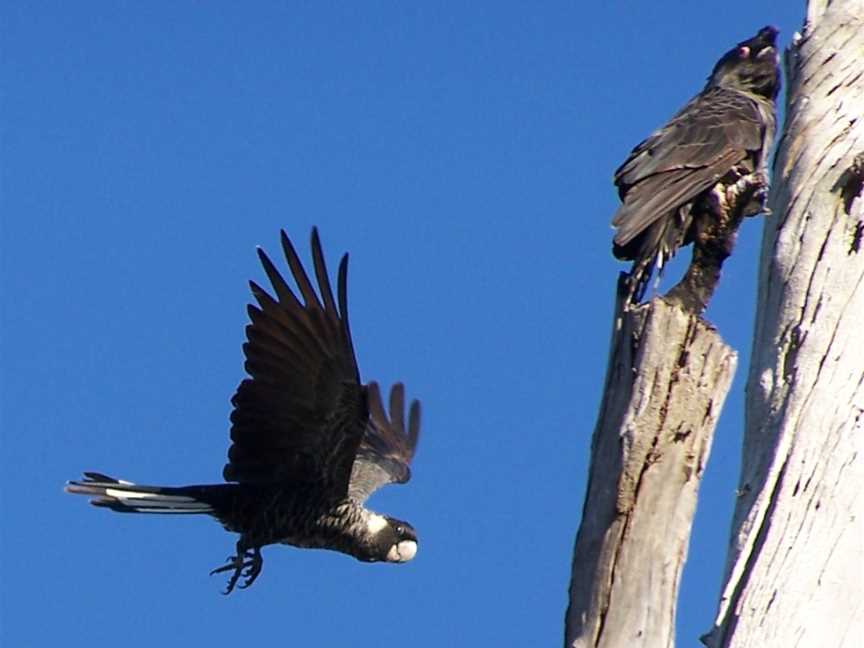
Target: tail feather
x=126, y=497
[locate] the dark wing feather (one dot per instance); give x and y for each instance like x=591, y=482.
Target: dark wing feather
x=715, y=131
x=301, y=414
x=387, y=448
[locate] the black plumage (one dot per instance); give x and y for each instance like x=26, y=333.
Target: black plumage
x=310, y=443
x=719, y=136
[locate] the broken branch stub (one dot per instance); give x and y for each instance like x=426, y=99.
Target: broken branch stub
x=667, y=378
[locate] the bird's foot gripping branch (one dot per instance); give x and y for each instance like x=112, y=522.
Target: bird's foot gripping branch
x=729, y=202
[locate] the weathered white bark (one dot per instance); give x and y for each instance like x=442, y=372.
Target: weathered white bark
x=668, y=375
x=794, y=576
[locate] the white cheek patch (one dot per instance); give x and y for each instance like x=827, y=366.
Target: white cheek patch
x=402, y=552
x=376, y=523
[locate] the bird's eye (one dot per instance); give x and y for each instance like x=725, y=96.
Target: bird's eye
x=743, y=51
x=400, y=529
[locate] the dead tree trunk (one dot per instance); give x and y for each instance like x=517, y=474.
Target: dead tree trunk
x=794, y=574
x=667, y=378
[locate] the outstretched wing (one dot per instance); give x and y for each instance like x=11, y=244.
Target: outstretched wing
x=387, y=448
x=301, y=414
x=714, y=132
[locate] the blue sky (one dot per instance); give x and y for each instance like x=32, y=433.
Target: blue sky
x=463, y=154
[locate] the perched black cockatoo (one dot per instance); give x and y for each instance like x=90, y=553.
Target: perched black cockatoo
x=310, y=442
x=722, y=134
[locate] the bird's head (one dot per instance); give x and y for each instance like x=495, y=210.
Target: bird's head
x=394, y=540
x=751, y=66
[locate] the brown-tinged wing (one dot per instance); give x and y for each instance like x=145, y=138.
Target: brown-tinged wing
x=385, y=453
x=715, y=131
x=301, y=413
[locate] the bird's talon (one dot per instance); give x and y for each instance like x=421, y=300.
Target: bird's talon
x=246, y=564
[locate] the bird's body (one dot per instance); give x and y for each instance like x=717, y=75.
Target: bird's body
x=719, y=136
x=310, y=442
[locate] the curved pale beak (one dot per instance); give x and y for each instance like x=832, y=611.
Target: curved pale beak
x=402, y=552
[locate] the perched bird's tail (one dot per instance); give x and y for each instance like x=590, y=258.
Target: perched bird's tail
x=126, y=497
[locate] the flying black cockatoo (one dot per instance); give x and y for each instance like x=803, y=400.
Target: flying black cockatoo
x=310, y=443
x=720, y=136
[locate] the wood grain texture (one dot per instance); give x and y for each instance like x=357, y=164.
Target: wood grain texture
x=794, y=574
x=668, y=375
